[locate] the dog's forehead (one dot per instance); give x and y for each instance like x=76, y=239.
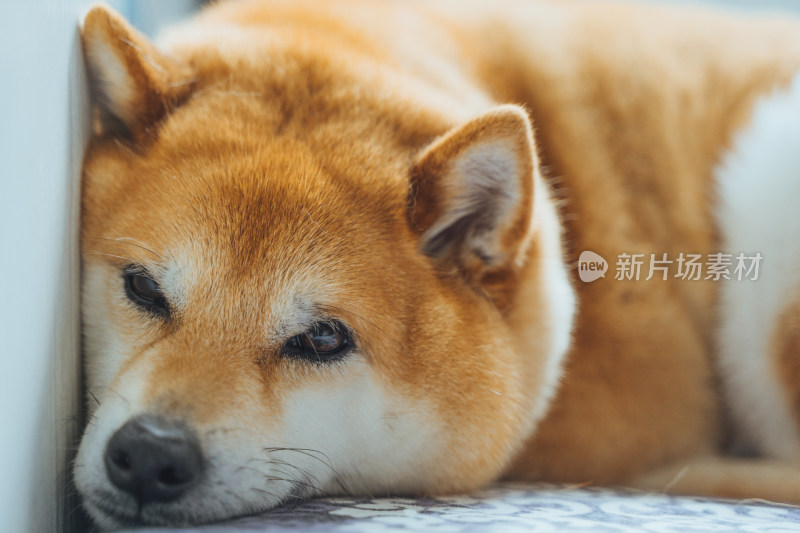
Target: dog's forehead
x=276, y=214
x=250, y=223
x=255, y=217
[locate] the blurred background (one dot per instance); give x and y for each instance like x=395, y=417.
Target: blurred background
x=773, y=5
x=42, y=138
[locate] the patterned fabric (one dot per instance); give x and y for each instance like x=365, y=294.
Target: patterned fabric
x=519, y=508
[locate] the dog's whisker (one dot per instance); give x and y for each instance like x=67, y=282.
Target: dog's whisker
x=294, y=482
x=110, y=255
x=88, y=390
x=130, y=241
x=305, y=451
x=390, y=336
x=310, y=478
x=337, y=478
x=233, y=493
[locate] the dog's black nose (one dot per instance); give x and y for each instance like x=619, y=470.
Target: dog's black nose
x=153, y=459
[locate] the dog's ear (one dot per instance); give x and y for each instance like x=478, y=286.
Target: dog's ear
x=472, y=194
x=133, y=84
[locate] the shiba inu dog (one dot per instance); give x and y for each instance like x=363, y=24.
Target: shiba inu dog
x=331, y=248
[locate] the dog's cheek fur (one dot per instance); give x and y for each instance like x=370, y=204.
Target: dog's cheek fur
x=104, y=347
x=368, y=437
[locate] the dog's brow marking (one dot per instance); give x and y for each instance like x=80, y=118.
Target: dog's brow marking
x=360, y=317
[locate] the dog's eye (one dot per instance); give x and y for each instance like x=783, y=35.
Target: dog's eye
x=324, y=341
x=145, y=292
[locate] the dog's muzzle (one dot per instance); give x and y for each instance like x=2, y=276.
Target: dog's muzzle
x=153, y=459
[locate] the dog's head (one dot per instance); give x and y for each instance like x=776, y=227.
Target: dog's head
x=302, y=277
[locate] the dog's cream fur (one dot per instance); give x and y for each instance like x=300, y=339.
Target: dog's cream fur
x=276, y=164
x=759, y=186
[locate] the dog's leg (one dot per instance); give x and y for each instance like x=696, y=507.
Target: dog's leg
x=727, y=477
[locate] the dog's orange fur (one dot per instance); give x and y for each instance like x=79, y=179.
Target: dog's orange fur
x=640, y=389
x=297, y=121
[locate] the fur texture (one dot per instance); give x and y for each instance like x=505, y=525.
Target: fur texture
x=425, y=175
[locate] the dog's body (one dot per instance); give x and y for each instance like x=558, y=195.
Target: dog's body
x=291, y=164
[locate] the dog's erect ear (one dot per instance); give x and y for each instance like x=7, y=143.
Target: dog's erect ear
x=133, y=84
x=472, y=193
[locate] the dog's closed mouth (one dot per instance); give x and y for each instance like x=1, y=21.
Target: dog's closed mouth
x=121, y=514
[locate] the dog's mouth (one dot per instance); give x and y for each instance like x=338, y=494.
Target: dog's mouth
x=110, y=517
x=109, y=511
x=144, y=487
x=110, y=514
x=154, y=471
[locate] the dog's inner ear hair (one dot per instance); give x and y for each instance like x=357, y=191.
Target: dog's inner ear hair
x=133, y=85
x=487, y=175
x=472, y=192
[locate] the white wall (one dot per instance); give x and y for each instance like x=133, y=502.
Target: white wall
x=774, y=6
x=43, y=126
x=42, y=139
